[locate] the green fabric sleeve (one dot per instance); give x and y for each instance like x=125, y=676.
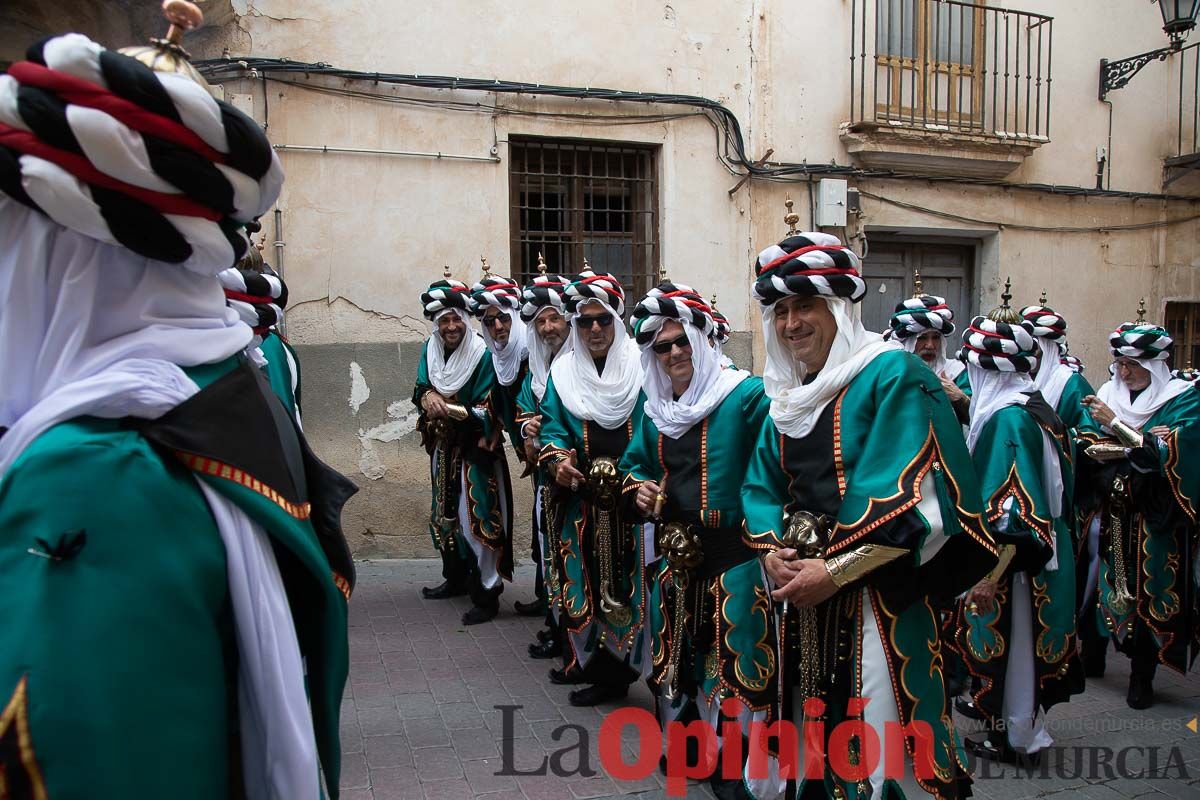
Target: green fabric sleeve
x=765, y=492
x=640, y=460
x=556, y=430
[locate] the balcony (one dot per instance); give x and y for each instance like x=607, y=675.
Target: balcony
x=940, y=87
x=1184, y=158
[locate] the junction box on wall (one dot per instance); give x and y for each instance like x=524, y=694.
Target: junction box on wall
x=831, y=203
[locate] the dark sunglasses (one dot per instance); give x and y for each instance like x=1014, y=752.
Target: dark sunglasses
x=587, y=322
x=492, y=322
x=662, y=348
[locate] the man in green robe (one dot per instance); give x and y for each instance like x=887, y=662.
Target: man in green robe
x=471, y=511
x=921, y=324
x=593, y=403
x=711, y=630
x=1016, y=629
x=542, y=309
x=862, y=499
x=1150, y=426
x=174, y=574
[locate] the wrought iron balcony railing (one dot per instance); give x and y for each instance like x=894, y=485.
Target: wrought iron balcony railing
x=1185, y=157
x=949, y=66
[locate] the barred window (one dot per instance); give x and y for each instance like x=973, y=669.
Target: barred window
x=574, y=200
x=1183, y=323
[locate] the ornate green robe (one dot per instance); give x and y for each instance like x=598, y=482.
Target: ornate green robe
x=579, y=559
x=118, y=659
x=484, y=475
x=527, y=407
x=1008, y=458
x=728, y=634
x=281, y=357
x=888, y=462
x=1153, y=521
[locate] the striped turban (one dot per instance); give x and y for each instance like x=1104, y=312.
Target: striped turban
x=259, y=298
x=922, y=314
x=1188, y=374
x=1141, y=340
x=145, y=160
x=446, y=294
x=546, y=291
x=589, y=285
x=1073, y=362
x=808, y=264
x=1000, y=346
x=721, y=327
x=670, y=301
x=503, y=293
x=1047, y=323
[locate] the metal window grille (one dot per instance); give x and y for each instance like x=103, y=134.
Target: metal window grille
x=1183, y=323
x=944, y=65
x=572, y=200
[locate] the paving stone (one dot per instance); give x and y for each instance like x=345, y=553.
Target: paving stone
x=396, y=783
x=437, y=763
x=481, y=774
x=426, y=733
x=388, y=751
x=379, y=721
x=416, y=706
x=354, y=772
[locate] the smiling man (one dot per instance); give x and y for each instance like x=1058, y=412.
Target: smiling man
x=1151, y=424
x=471, y=514
x=711, y=633
x=863, y=502
x=921, y=324
x=592, y=405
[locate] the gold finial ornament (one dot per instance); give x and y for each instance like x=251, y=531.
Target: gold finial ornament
x=586, y=265
x=1004, y=312
x=446, y=272
x=714, y=301
x=487, y=270
x=541, y=264
x=790, y=218
x=662, y=274
x=167, y=54
x=1042, y=299
x=1141, y=311
x=918, y=289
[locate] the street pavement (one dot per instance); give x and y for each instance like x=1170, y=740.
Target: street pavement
x=420, y=718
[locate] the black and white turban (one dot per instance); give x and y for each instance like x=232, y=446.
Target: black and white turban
x=503, y=293
x=446, y=294
x=146, y=160
x=808, y=264
x=721, y=327
x=590, y=285
x=546, y=291
x=1047, y=323
x=1188, y=374
x=258, y=297
x=1000, y=346
x=1073, y=362
x=919, y=315
x=670, y=301
x=1141, y=340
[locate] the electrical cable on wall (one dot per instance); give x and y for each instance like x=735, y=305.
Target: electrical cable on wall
x=731, y=147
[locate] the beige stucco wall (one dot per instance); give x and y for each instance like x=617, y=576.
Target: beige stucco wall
x=365, y=233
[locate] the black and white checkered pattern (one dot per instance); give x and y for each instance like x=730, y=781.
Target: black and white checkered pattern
x=999, y=346
x=670, y=301
x=1141, y=340
x=590, y=285
x=1047, y=323
x=214, y=157
x=259, y=298
x=444, y=294
x=808, y=264
x=922, y=314
x=545, y=290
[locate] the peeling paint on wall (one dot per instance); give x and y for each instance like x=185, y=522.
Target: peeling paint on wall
x=402, y=420
x=359, y=391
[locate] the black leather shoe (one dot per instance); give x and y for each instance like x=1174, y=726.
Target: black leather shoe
x=442, y=591
x=994, y=747
x=477, y=614
x=968, y=708
x=535, y=608
x=1141, y=692
x=548, y=649
x=563, y=677
x=595, y=695
x=545, y=635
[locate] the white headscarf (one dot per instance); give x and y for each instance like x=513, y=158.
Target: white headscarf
x=709, y=387
x=795, y=406
x=507, y=359
x=941, y=366
x=993, y=390
x=608, y=398
x=448, y=375
x=1162, y=390
x=91, y=329
x=540, y=358
x=1052, y=374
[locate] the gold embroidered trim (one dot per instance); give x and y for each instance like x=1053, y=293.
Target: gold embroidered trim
x=217, y=469
x=14, y=720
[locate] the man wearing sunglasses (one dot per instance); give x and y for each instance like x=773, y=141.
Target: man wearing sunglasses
x=863, y=501
x=593, y=402
x=712, y=636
